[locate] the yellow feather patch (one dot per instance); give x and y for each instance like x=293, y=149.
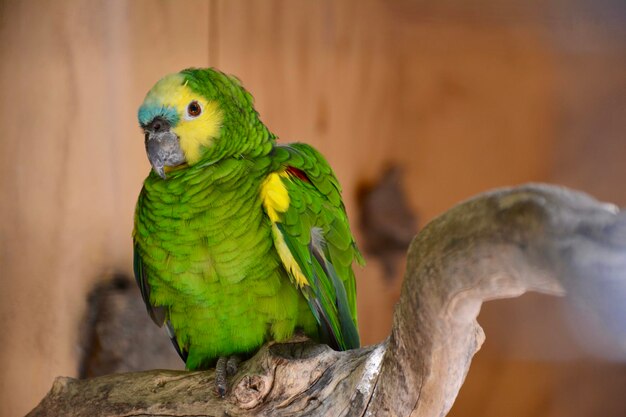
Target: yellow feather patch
x=194, y=133
x=275, y=198
x=290, y=264
x=274, y=195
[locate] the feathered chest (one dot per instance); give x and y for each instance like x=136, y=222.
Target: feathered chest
x=209, y=227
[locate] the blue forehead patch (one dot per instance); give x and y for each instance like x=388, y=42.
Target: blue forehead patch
x=148, y=112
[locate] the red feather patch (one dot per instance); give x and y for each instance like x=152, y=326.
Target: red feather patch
x=297, y=173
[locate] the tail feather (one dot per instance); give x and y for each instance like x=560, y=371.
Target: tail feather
x=349, y=332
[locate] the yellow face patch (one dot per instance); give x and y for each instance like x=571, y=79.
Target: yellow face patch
x=194, y=132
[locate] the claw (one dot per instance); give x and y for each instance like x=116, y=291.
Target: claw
x=221, y=380
x=232, y=364
x=225, y=368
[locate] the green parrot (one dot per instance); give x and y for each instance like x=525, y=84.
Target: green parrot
x=237, y=240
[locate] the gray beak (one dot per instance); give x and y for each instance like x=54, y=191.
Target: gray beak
x=162, y=146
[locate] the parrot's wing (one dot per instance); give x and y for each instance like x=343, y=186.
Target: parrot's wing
x=158, y=314
x=302, y=199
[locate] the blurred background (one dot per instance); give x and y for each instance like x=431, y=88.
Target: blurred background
x=417, y=105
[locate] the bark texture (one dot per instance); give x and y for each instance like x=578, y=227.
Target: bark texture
x=499, y=244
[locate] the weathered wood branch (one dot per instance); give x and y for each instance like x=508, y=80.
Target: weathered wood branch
x=499, y=244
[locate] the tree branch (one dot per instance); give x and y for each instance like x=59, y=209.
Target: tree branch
x=499, y=244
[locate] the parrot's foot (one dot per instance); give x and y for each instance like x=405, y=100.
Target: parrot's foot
x=225, y=368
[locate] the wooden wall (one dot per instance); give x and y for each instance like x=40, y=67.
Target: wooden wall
x=463, y=99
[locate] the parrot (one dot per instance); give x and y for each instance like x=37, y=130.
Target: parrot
x=237, y=240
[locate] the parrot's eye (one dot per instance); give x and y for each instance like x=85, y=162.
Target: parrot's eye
x=194, y=109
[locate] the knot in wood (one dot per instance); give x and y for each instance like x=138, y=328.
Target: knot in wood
x=252, y=390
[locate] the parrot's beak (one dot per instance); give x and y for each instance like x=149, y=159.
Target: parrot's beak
x=162, y=146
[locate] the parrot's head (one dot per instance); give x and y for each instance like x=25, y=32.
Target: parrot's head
x=199, y=116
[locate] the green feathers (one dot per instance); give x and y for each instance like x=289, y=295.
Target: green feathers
x=245, y=241
x=315, y=229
